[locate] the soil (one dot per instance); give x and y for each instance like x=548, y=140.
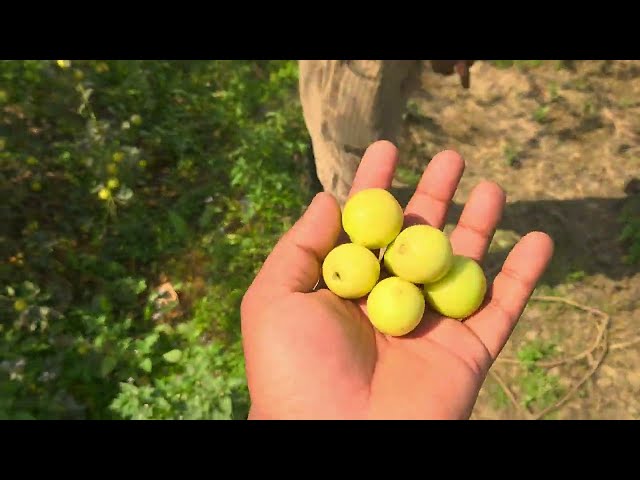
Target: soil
x=564, y=143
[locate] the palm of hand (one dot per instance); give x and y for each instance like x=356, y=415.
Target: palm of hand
x=311, y=354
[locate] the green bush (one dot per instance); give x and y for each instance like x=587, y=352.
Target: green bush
x=120, y=176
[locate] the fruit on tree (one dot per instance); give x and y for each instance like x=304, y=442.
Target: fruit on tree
x=104, y=194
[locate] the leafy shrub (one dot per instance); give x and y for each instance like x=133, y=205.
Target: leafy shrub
x=121, y=176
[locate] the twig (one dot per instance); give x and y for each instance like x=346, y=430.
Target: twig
x=547, y=298
x=507, y=391
x=621, y=345
x=576, y=386
x=574, y=358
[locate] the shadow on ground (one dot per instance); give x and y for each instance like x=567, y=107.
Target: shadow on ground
x=586, y=233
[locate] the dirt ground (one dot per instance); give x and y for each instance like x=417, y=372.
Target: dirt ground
x=564, y=143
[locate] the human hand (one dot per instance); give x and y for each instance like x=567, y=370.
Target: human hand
x=461, y=67
x=312, y=355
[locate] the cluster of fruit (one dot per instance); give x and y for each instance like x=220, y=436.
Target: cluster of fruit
x=419, y=259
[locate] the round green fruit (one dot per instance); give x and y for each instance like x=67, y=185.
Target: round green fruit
x=350, y=270
x=460, y=292
x=136, y=119
x=395, y=306
x=419, y=254
x=372, y=218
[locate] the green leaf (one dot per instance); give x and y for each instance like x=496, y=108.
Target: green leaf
x=164, y=328
x=141, y=287
x=150, y=341
x=226, y=407
x=24, y=416
x=179, y=225
x=173, y=356
x=627, y=232
x=108, y=364
x=146, y=365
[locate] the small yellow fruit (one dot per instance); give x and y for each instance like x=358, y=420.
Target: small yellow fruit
x=419, y=254
x=113, y=183
x=64, y=63
x=104, y=194
x=78, y=74
x=112, y=168
x=395, y=306
x=19, y=305
x=118, y=157
x=460, y=292
x=372, y=218
x=102, y=67
x=350, y=270
x=136, y=119
x=36, y=186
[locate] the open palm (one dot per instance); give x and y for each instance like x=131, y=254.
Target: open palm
x=310, y=354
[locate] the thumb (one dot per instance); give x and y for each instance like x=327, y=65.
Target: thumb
x=295, y=263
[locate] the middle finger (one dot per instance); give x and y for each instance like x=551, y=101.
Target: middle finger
x=478, y=221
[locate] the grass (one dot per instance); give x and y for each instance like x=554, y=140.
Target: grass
x=554, y=94
x=407, y=176
x=539, y=388
x=627, y=102
x=521, y=64
x=499, y=399
x=512, y=154
x=575, y=276
x=541, y=114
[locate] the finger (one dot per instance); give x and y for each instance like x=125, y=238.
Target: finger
x=295, y=263
x=430, y=202
x=511, y=291
x=482, y=213
x=376, y=168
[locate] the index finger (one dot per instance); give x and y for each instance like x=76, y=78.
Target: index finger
x=376, y=168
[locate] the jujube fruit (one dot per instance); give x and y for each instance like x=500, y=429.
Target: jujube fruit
x=372, y=218
x=350, y=271
x=395, y=306
x=419, y=254
x=460, y=292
